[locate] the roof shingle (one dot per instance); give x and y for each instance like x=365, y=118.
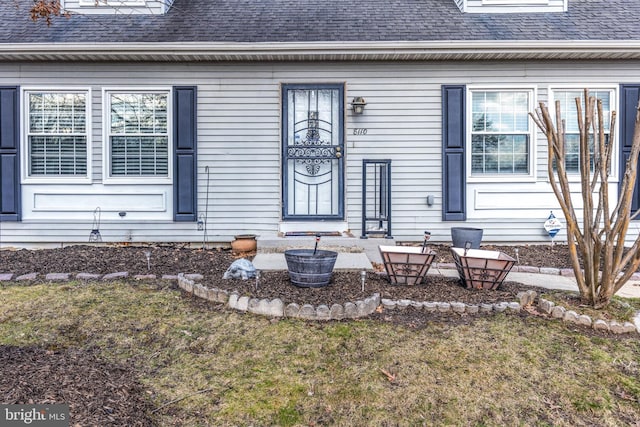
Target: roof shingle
x=272, y=21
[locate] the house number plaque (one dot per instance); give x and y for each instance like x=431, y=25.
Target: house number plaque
x=360, y=131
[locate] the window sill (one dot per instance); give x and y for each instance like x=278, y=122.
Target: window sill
x=500, y=178
x=138, y=181
x=56, y=181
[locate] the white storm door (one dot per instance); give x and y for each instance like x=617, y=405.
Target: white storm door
x=313, y=149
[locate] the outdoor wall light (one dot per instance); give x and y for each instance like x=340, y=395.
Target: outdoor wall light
x=358, y=104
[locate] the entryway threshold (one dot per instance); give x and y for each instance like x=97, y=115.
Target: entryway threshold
x=313, y=233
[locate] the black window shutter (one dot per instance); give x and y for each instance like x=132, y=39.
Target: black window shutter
x=629, y=96
x=453, y=153
x=9, y=155
x=185, y=143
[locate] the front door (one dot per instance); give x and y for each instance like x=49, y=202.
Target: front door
x=312, y=152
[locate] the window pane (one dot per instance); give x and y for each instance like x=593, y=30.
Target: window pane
x=57, y=140
x=520, y=144
x=117, y=114
x=491, y=163
x=604, y=96
x=491, y=144
x=520, y=163
x=521, y=121
x=492, y=122
x=569, y=114
x=505, y=164
x=500, y=129
x=477, y=102
x=477, y=144
x=57, y=156
x=492, y=100
x=477, y=163
x=139, y=134
x=138, y=113
x=506, y=144
x=478, y=122
x=572, y=163
x=139, y=156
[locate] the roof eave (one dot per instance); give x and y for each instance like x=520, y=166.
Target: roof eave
x=324, y=51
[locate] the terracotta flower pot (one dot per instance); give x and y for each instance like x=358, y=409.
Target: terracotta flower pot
x=244, y=243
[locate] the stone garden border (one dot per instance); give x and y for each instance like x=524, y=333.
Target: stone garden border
x=351, y=310
x=277, y=308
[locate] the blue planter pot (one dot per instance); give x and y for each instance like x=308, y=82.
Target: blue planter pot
x=461, y=235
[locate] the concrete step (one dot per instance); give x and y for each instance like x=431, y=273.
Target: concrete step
x=351, y=245
x=346, y=261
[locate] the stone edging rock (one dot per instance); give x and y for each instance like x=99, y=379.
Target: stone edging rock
x=65, y=277
x=277, y=308
x=569, y=316
x=525, y=298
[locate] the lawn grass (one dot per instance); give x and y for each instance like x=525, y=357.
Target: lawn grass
x=223, y=367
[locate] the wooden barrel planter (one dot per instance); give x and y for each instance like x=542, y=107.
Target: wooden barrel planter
x=406, y=265
x=482, y=269
x=309, y=268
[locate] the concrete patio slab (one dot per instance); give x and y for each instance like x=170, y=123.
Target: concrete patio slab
x=358, y=254
x=345, y=261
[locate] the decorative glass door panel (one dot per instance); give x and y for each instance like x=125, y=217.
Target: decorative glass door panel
x=313, y=152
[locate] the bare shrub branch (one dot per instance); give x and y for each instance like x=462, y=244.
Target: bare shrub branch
x=599, y=239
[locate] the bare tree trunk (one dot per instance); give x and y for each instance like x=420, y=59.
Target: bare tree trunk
x=599, y=238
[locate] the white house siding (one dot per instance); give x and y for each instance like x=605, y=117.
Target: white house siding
x=239, y=141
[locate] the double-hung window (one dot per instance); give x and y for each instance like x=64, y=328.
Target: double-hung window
x=138, y=135
x=56, y=126
x=569, y=113
x=500, y=132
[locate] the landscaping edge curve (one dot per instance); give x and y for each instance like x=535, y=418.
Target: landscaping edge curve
x=363, y=308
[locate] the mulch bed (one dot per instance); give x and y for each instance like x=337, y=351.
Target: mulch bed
x=345, y=286
x=98, y=393
x=170, y=259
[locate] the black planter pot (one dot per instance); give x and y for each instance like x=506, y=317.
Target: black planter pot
x=461, y=235
x=309, y=270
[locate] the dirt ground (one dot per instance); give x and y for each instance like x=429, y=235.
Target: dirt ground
x=100, y=393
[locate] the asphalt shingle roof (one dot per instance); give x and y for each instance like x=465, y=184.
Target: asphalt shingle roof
x=255, y=21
